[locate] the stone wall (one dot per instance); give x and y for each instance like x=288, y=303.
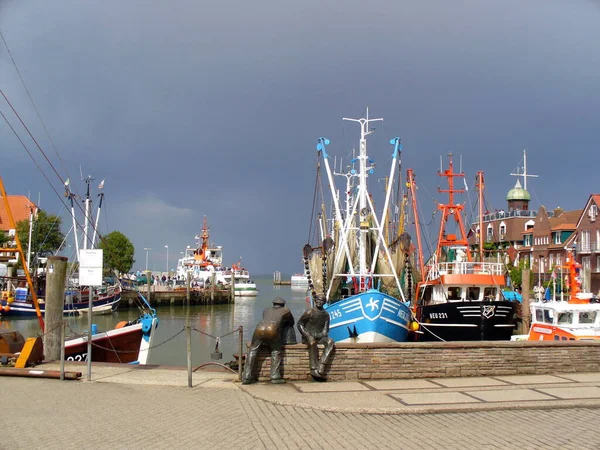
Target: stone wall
x=435, y=360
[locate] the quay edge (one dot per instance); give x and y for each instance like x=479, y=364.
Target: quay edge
x=175, y=298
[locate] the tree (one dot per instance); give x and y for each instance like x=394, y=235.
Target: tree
x=46, y=237
x=3, y=237
x=118, y=252
x=516, y=273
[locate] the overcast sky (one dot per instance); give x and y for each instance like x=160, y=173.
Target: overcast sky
x=192, y=108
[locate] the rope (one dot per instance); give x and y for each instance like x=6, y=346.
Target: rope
x=135, y=351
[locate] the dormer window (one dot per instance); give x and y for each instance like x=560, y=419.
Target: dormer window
x=490, y=233
x=557, y=237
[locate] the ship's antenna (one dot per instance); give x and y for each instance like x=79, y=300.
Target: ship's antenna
x=525, y=175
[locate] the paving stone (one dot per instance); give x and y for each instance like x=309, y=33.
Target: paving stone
x=531, y=379
x=469, y=381
x=337, y=386
x=582, y=377
x=509, y=395
x=400, y=384
x=573, y=392
x=434, y=398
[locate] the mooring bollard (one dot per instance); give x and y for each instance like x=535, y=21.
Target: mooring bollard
x=62, y=351
x=241, y=330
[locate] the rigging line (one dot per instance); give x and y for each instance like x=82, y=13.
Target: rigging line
x=45, y=157
x=31, y=135
x=40, y=169
x=312, y=214
x=32, y=102
x=30, y=155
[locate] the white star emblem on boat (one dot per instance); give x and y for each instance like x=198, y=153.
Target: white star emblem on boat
x=374, y=304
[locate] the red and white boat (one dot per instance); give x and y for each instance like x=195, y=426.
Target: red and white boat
x=573, y=319
x=463, y=295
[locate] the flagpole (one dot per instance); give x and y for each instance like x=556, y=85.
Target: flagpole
x=554, y=285
x=562, y=284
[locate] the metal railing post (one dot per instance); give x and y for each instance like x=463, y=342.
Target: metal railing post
x=189, y=354
x=241, y=330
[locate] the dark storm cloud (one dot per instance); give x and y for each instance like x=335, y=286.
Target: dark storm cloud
x=190, y=108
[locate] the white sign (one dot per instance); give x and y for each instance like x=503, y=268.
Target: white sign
x=90, y=267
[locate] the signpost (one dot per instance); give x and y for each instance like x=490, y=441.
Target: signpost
x=90, y=274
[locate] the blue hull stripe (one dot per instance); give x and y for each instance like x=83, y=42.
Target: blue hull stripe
x=369, y=312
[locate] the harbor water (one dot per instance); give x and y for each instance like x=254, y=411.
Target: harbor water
x=214, y=320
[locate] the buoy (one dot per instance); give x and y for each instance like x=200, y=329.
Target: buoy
x=414, y=326
x=122, y=324
x=6, y=308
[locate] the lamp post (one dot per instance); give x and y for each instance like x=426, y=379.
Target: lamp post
x=167, y=247
x=147, y=250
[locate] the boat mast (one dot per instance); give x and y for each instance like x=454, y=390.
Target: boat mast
x=30, y=231
x=13, y=225
x=101, y=195
x=480, y=189
x=365, y=130
x=71, y=196
x=454, y=210
x=338, y=225
x=397, y=150
x=88, y=204
x=411, y=184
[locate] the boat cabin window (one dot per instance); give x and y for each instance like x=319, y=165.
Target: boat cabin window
x=473, y=293
x=565, y=317
x=587, y=317
x=543, y=315
x=490, y=293
x=454, y=293
x=426, y=295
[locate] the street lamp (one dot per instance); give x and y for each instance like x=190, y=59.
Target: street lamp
x=147, y=250
x=167, y=247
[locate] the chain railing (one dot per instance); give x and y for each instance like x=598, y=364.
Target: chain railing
x=217, y=354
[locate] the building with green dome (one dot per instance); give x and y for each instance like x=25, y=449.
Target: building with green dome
x=518, y=198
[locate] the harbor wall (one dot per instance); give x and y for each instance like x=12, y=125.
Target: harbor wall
x=439, y=360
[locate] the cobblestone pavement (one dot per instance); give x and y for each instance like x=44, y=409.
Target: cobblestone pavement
x=50, y=414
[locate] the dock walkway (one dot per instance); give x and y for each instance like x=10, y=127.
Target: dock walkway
x=152, y=407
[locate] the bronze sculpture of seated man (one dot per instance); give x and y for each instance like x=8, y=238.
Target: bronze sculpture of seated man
x=314, y=328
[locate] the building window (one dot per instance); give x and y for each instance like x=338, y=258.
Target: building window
x=584, y=241
x=559, y=260
x=593, y=213
x=502, y=230
x=597, y=263
x=557, y=238
x=490, y=233
x=527, y=240
x=585, y=262
x=551, y=260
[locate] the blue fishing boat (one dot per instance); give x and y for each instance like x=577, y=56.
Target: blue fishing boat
x=363, y=270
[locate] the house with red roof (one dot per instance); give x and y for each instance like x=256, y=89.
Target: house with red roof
x=21, y=208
